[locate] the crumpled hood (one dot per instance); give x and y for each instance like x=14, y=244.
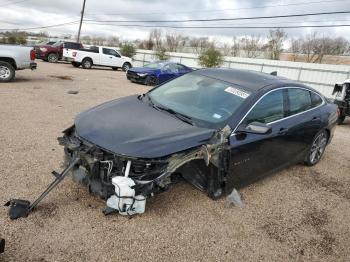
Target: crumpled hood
x=131, y=127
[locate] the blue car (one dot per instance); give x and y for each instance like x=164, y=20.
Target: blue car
x=156, y=73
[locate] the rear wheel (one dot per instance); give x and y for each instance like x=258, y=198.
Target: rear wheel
x=126, y=67
x=317, y=148
x=52, y=58
x=75, y=64
x=7, y=72
x=87, y=63
x=151, y=81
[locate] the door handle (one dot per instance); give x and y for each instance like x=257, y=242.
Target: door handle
x=282, y=131
x=111, y=57
x=315, y=118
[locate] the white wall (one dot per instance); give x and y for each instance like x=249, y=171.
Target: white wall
x=322, y=77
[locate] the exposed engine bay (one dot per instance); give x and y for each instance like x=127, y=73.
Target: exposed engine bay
x=126, y=183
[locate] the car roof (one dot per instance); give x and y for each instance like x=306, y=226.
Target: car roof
x=251, y=80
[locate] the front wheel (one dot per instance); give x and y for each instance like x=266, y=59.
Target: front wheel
x=126, y=67
x=52, y=58
x=151, y=81
x=317, y=148
x=7, y=72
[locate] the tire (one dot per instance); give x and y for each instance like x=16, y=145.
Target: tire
x=52, y=58
x=317, y=148
x=87, y=63
x=115, y=68
x=151, y=81
x=76, y=64
x=7, y=72
x=126, y=66
x=340, y=120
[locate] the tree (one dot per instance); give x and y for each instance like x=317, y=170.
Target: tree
x=156, y=36
x=251, y=45
x=127, y=49
x=211, y=58
x=275, y=43
x=161, y=53
x=295, y=48
x=236, y=47
x=200, y=44
x=174, y=41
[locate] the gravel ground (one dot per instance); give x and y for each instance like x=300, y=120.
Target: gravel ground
x=298, y=214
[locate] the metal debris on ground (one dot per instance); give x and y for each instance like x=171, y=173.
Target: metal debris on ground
x=235, y=199
x=73, y=92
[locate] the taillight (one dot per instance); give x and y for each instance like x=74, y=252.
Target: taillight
x=74, y=54
x=32, y=54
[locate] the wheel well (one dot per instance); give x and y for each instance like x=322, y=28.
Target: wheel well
x=126, y=63
x=87, y=58
x=9, y=60
x=328, y=134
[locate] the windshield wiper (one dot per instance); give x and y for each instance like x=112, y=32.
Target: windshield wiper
x=180, y=116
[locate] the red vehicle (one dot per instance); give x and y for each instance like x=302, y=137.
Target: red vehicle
x=53, y=53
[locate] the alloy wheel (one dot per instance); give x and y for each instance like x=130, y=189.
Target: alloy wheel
x=4, y=72
x=318, y=147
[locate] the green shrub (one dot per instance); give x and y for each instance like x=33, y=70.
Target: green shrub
x=161, y=53
x=128, y=50
x=211, y=58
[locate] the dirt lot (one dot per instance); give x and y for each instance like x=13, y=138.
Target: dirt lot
x=298, y=214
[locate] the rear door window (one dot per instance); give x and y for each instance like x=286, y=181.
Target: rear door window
x=270, y=108
x=299, y=100
x=316, y=100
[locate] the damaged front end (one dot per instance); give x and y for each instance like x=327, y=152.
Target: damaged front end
x=126, y=182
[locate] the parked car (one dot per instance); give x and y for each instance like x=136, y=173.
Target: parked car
x=217, y=128
x=156, y=73
x=101, y=56
x=14, y=57
x=53, y=53
x=342, y=99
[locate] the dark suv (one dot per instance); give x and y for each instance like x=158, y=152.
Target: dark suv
x=53, y=53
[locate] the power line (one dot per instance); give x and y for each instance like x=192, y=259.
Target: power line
x=222, y=10
x=14, y=3
x=218, y=19
x=224, y=27
x=40, y=27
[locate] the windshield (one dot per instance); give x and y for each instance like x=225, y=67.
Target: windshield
x=57, y=43
x=154, y=65
x=200, y=97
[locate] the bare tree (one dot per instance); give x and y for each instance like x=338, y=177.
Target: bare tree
x=113, y=41
x=295, y=48
x=174, y=41
x=156, y=36
x=226, y=49
x=236, y=47
x=200, y=44
x=275, y=43
x=251, y=45
x=307, y=47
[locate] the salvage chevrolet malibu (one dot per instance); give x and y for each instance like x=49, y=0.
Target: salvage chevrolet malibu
x=217, y=128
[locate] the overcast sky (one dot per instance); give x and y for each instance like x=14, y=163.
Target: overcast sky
x=33, y=13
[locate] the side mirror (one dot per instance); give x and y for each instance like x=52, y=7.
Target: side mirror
x=255, y=128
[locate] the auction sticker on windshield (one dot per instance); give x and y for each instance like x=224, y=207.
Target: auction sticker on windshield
x=236, y=92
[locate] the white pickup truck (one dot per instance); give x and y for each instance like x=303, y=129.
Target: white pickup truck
x=15, y=57
x=101, y=56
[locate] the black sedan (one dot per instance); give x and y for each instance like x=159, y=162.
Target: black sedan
x=216, y=128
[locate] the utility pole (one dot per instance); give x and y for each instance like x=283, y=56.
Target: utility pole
x=81, y=21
